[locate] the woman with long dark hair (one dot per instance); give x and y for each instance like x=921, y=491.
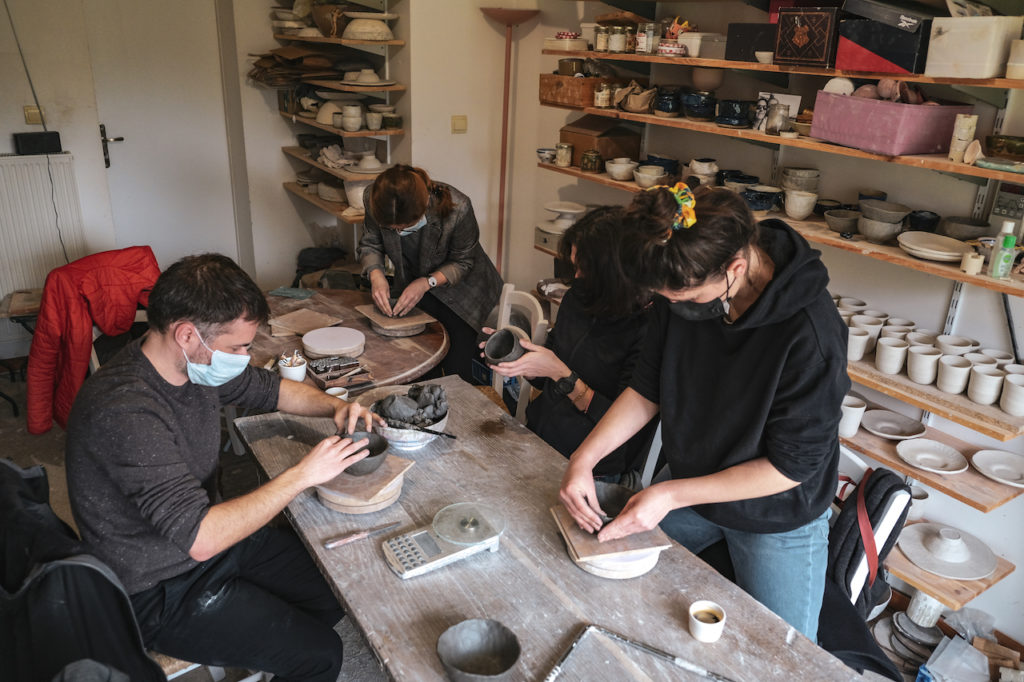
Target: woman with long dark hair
x=745, y=360
x=429, y=231
x=592, y=349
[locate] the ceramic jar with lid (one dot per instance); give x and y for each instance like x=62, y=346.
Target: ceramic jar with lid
x=591, y=161
x=563, y=154
x=617, y=39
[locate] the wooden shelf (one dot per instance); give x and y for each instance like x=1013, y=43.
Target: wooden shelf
x=935, y=162
x=335, y=208
x=295, y=118
x=342, y=86
x=547, y=251
x=779, y=68
x=817, y=231
x=986, y=419
x=336, y=41
x=969, y=487
x=303, y=156
x=952, y=593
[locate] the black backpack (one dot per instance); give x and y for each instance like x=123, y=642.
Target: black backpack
x=316, y=258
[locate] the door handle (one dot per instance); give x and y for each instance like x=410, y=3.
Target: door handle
x=105, y=140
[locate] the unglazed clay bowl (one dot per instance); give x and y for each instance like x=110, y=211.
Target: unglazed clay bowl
x=842, y=220
x=478, y=649
x=378, y=447
x=883, y=211
x=877, y=231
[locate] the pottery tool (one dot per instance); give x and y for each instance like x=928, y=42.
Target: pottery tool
x=301, y=322
x=458, y=531
x=657, y=653
x=357, y=535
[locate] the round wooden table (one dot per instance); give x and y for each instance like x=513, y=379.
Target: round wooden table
x=391, y=360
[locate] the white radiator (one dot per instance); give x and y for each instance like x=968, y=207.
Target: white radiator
x=32, y=208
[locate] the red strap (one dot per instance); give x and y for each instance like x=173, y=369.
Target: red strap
x=847, y=482
x=867, y=533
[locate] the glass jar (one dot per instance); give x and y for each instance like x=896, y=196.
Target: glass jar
x=591, y=161
x=603, y=96
x=601, y=39
x=778, y=118
x=647, y=39
x=630, y=39
x=617, y=39
x=563, y=154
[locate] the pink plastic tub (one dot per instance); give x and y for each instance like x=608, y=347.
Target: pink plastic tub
x=881, y=127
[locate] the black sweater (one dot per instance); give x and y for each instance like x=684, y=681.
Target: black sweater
x=769, y=385
x=603, y=352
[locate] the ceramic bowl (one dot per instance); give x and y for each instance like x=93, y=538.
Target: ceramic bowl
x=647, y=180
x=478, y=649
x=761, y=197
x=803, y=184
x=963, y=228
x=841, y=220
x=378, y=447
x=826, y=205
x=546, y=154
x=883, y=211
x=383, y=109
x=764, y=57
x=703, y=166
x=621, y=171
x=796, y=172
x=802, y=128
x=923, y=221
x=878, y=231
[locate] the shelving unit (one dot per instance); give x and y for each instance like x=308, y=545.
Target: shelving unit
x=303, y=156
x=335, y=208
x=342, y=86
x=345, y=42
x=294, y=118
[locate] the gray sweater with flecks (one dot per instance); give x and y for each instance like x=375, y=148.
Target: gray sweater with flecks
x=142, y=459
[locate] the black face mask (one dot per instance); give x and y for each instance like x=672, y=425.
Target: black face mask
x=698, y=312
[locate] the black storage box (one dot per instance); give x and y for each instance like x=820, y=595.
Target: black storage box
x=26, y=144
x=906, y=16
x=892, y=37
x=743, y=40
x=807, y=36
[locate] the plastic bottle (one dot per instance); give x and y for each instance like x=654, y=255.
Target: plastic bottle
x=1003, y=253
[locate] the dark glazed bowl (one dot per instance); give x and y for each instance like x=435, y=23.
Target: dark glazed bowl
x=503, y=346
x=612, y=497
x=923, y=221
x=478, y=649
x=378, y=447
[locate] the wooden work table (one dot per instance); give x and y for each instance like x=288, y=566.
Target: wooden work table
x=391, y=360
x=529, y=584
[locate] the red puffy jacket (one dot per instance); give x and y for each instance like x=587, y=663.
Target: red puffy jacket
x=104, y=289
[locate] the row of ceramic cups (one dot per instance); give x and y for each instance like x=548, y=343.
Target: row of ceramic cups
x=953, y=363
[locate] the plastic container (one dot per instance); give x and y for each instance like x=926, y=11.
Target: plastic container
x=882, y=127
x=971, y=47
x=1004, y=253
x=706, y=45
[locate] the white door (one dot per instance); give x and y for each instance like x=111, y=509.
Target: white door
x=156, y=68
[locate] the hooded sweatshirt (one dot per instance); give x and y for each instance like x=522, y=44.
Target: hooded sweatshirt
x=771, y=385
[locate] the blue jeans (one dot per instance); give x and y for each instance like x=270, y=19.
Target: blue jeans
x=783, y=571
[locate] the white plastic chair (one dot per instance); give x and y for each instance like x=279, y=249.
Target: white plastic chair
x=529, y=307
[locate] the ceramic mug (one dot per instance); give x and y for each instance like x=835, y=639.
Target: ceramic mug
x=893, y=332
x=985, y=384
x=980, y=359
x=375, y=120
x=923, y=364
x=921, y=339
x=880, y=314
x=852, y=412
x=900, y=322
x=890, y=354
x=351, y=124
x=873, y=325
x=1013, y=368
x=857, y=343
x=338, y=392
x=799, y=204
x=292, y=372
x=1012, y=400
x=922, y=221
x=854, y=304
x=503, y=346
x=954, y=371
x=736, y=112
x=707, y=620
x=1001, y=357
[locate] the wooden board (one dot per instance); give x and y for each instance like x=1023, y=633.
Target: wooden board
x=304, y=320
x=346, y=487
x=585, y=546
x=25, y=302
x=414, y=318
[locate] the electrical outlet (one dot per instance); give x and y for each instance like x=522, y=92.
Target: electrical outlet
x=33, y=115
x=460, y=124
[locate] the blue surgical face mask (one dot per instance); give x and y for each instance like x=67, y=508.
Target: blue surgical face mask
x=413, y=228
x=223, y=367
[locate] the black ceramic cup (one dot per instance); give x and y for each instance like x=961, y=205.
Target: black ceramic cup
x=735, y=111
x=923, y=221
x=699, y=106
x=378, y=447
x=503, y=346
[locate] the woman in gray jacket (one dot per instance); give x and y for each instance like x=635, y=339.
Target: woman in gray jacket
x=429, y=231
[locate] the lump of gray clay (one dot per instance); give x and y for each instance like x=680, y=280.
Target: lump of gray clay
x=398, y=407
x=423, y=406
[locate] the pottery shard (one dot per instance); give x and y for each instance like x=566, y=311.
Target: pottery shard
x=398, y=407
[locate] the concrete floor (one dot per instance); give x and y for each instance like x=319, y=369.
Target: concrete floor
x=239, y=474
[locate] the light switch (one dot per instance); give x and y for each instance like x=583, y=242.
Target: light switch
x=459, y=124
x=33, y=116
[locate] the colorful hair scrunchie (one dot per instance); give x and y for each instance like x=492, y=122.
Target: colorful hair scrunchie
x=685, y=214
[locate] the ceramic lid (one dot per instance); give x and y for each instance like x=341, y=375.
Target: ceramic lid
x=947, y=552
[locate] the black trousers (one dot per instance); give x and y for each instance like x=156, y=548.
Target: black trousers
x=462, y=337
x=261, y=605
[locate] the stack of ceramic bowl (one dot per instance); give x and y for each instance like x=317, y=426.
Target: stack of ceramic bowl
x=880, y=220
x=739, y=183
x=803, y=179
x=649, y=176
x=621, y=168
x=704, y=170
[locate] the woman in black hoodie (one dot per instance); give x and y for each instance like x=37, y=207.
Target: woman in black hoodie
x=745, y=359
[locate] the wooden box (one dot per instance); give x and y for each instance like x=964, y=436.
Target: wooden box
x=569, y=91
x=807, y=36
x=606, y=135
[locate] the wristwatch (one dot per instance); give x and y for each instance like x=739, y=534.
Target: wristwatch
x=432, y=281
x=565, y=385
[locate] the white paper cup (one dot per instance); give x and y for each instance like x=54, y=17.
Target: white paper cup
x=923, y=364
x=1012, y=401
x=890, y=354
x=293, y=373
x=853, y=410
x=707, y=620
x=918, y=500
x=954, y=371
x=985, y=385
x=338, y=392
x=857, y=343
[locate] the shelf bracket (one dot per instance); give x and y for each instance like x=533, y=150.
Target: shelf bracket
x=379, y=50
x=953, y=312
x=994, y=96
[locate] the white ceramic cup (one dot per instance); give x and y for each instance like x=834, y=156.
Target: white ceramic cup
x=293, y=373
x=980, y=359
x=923, y=364
x=374, y=120
x=900, y=322
x=351, y=124
x=950, y=344
x=857, y=343
x=873, y=325
x=853, y=410
x=954, y=372
x=985, y=384
x=1012, y=401
x=890, y=354
x=894, y=332
x=1001, y=357
x=846, y=315
x=800, y=204
x=1013, y=368
x=707, y=620
x=854, y=304
x=918, y=499
x=338, y=392
x=916, y=338
x=880, y=314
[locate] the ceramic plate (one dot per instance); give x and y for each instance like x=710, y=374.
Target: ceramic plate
x=882, y=631
x=930, y=255
x=379, y=169
x=382, y=16
x=999, y=465
x=891, y=425
x=369, y=85
x=932, y=456
x=926, y=241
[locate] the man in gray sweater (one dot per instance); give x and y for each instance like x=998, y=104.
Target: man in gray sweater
x=209, y=581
